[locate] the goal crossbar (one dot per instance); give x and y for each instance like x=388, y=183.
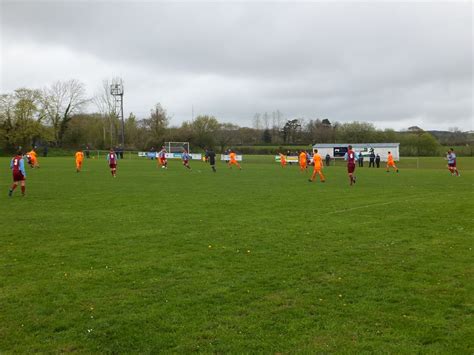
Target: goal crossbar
x=176, y=147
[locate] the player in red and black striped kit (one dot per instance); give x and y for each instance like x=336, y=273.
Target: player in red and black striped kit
x=351, y=159
x=19, y=174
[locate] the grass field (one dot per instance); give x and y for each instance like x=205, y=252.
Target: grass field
x=257, y=260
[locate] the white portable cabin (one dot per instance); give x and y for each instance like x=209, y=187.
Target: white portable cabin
x=338, y=150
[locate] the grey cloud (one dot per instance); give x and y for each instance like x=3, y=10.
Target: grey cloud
x=384, y=62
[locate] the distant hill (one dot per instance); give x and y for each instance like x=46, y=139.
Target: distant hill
x=454, y=138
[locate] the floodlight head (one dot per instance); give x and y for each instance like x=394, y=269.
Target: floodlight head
x=116, y=89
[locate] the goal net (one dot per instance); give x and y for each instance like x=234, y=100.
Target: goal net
x=176, y=147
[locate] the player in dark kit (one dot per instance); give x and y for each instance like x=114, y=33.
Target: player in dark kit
x=112, y=159
x=211, y=157
x=19, y=174
x=351, y=159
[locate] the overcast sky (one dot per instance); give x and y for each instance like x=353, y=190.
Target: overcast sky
x=392, y=64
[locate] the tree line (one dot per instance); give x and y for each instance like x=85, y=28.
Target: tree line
x=56, y=116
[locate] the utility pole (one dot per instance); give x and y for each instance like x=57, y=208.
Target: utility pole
x=116, y=90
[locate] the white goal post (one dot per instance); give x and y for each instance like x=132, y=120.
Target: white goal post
x=176, y=147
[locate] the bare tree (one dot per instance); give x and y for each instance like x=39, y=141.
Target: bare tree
x=105, y=103
x=256, y=121
x=319, y=131
x=226, y=135
x=61, y=101
x=157, y=124
x=277, y=118
x=266, y=120
x=103, y=100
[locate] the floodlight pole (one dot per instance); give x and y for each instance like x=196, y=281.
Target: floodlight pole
x=123, y=122
x=116, y=90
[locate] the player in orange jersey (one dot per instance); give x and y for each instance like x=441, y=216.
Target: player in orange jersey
x=79, y=160
x=391, y=162
x=318, y=167
x=33, y=158
x=282, y=160
x=303, y=161
x=233, y=160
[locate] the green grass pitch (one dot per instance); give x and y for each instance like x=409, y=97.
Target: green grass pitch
x=257, y=260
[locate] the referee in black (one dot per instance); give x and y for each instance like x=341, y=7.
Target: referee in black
x=211, y=157
x=372, y=159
